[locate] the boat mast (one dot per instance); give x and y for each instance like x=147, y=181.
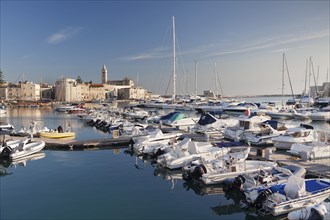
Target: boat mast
x=196, y=65
x=287, y=70
x=283, y=81
x=174, y=60
x=305, y=90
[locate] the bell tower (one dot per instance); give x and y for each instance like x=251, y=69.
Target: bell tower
x=104, y=74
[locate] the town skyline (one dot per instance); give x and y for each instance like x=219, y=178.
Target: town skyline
x=133, y=39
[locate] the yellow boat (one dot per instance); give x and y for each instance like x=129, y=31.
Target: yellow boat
x=57, y=135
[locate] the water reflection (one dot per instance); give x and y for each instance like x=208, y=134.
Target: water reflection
x=202, y=190
x=7, y=163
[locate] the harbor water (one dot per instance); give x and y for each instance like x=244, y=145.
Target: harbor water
x=103, y=184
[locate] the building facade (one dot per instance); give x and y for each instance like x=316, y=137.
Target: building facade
x=23, y=91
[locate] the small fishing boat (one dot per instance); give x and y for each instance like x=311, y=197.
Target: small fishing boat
x=184, y=154
x=9, y=146
x=215, y=173
x=315, y=211
x=24, y=150
x=57, y=135
x=263, y=178
x=295, y=194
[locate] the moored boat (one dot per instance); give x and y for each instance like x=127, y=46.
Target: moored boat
x=57, y=135
x=24, y=150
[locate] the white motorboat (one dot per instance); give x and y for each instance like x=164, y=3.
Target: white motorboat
x=136, y=114
x=188, y=151
x=26, y=149
x=215, y=173
x=282, y=113
x=263, y=178
x=268, y=130
x=8, y=146
x=317, y=149
x=314, y=211
x=245, y=124
x=155, y=135
x=208, y=123
x=295, y=194
x=320, y=115
x=241, y=108
x=302, y=134
x=6, y=128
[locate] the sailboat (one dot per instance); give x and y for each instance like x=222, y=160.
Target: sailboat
x=283, y=112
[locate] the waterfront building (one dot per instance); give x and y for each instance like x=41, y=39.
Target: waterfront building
x=66, y=90
x=96, y=92
x=136, y=93
x=3, y=92
x=23, y=91
x=323, y=91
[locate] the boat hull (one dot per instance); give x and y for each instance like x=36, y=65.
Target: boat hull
x=56, y=135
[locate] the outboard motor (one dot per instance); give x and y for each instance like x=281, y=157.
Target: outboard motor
x=6, y=151
x=262, y=198
x=60, y=129
x=159, y=152
x=186, y=176
x=238, y=182
x=198, y=171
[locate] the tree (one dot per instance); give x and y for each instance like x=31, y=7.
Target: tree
x=79, y=80
x=1, y=78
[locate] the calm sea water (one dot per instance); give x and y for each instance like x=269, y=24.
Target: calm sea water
x=103, y=184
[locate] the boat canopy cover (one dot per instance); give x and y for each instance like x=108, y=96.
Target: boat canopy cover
x=206, y=119
x=295, y=187
x=173, y=116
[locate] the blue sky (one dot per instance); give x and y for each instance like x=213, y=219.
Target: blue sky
x=240, y=41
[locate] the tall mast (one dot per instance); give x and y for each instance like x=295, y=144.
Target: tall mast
x=196, y=65
x=216, y=79
x=174, y=60
x=305, y=90
x=283, y=81
x=137, y=79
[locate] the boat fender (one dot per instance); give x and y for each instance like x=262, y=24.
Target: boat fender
x=198, y=171
x=262, y=197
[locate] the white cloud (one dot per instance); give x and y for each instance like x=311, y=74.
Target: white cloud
x=273, y=42
x=213, y=50
x=63, y=35
x=156, y=53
